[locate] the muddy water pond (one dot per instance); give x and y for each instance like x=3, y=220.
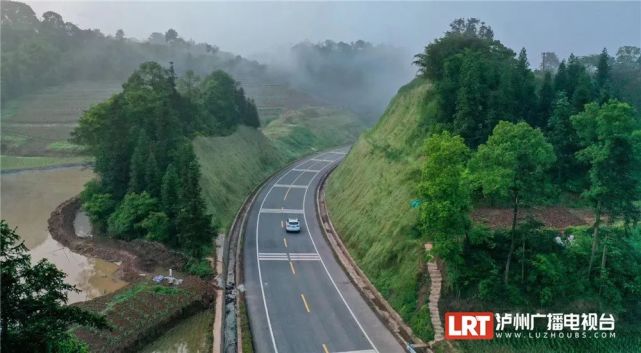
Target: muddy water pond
x=27, y=199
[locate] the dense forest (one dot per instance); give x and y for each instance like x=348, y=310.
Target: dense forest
x=504, y=135
x=149, y=176
x=37, y=53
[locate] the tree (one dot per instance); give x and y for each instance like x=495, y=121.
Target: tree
x=549, y=62
x=35, y=317
x=546, y=101
x=469, y=100
x=193, y=224
x=603, y=76
x=188, y=84
x=525, y=95
x=567, y=170
x=171, y=35
x=628, y=55
x=126, y=221
x=561, y=79
x=463, y=34
x=512, y=166
x=445, y=192
x=609, y=137
x=120, y=34
x=137, y=178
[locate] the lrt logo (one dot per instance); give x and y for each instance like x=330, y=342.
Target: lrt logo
x=469, y=326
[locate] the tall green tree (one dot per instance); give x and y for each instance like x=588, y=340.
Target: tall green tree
x=445, y=193
x=546, y=101
x=512, y=166
x=139, y=158
x=603, y=76
x=567, y=171
x=469, y=100
x=561, y=78
x=444, y=187
x=609, y=137
x=35, y=316
x=193, y=225
x=525, y=91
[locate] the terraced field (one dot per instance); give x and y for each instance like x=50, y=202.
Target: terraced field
x=40, y=124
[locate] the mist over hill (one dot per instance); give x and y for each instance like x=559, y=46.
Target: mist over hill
x=358, y=75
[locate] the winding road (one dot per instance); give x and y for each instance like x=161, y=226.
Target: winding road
x=298, y=297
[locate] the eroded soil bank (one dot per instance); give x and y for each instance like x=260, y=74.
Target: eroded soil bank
x=143, y=311
x=138, y=258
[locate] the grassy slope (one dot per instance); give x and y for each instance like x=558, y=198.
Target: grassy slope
x=232, y=166
x=383, y=165
x=309, y=129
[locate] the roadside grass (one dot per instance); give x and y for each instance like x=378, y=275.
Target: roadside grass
x=248, y=342
x=19, y=162
x=380, y=234
x=231, y=166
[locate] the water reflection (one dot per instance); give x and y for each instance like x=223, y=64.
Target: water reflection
x=27, y=200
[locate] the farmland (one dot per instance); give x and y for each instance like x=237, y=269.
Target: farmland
x=141, y=311
x=40, y=124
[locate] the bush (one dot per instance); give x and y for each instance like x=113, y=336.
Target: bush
x=199, y=267
x=127, y=221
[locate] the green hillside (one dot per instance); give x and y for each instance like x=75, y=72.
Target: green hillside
x=310, y=129
x=384, y=165
x=232, y=166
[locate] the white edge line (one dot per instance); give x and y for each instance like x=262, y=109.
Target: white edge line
x=260, y=275
x=327, y=271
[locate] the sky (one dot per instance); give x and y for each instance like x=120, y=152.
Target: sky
x=254, y=29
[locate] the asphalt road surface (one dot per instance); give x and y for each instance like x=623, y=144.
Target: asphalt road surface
x=298, y=297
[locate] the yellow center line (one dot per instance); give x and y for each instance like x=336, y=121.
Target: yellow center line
x=305, y=302
x=285, y=241
x=325, y=348
x=291, y=265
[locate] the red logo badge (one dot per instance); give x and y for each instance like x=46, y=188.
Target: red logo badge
x=469, y=326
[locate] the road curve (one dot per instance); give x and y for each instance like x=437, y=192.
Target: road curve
x=298, y=297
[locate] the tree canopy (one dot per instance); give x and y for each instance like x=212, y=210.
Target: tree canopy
x=35, y=317
x=149, y=175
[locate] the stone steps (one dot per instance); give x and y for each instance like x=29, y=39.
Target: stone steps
x=435, y=295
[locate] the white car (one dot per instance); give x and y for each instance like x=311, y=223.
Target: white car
x=292, y=225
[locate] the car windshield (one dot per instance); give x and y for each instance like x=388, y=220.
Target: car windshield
x=293, y=222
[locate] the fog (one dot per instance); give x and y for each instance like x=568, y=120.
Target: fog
x=266, y=31
x=252, y=29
